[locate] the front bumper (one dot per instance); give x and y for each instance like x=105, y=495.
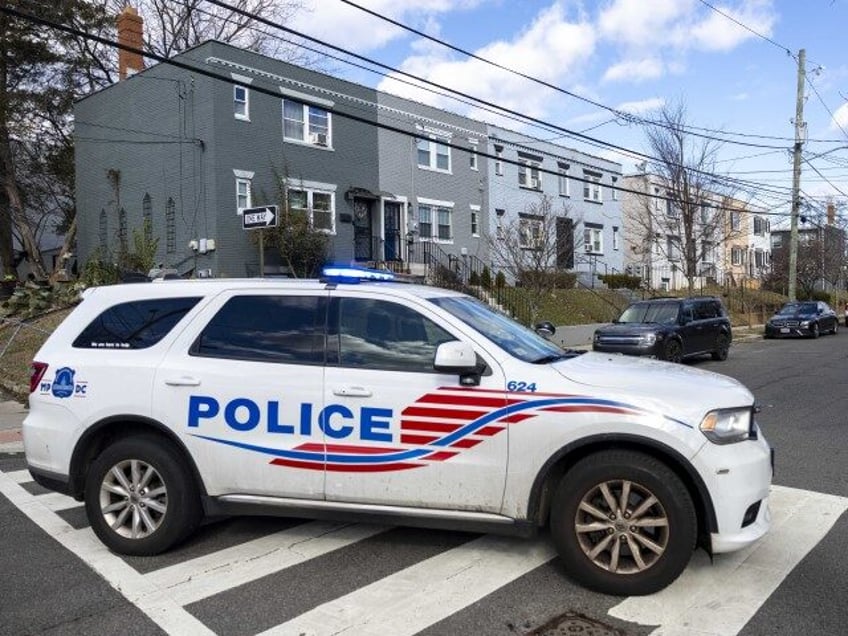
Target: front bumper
x=653, y=350
x=787, y=332
x=738, y=477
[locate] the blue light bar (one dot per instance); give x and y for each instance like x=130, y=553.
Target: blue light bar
x=351, y=275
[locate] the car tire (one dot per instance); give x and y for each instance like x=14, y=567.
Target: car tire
x=605, y=547
x=673, y=351
x=835, y=329
x=814, y=331
x=140, y=498
x=722, y=347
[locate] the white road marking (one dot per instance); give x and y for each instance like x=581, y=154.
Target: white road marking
x=19, y=476
x=152, y=601
x=57, y=501
x=718, y=599
x=414, y=598
x=211, y=574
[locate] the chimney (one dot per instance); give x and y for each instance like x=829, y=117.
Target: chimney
x=130, y=33
x=831, y=214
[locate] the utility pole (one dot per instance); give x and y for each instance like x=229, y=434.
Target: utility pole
x=796, y=176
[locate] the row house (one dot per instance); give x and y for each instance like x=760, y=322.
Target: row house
x=529, y=179
x=730, y=238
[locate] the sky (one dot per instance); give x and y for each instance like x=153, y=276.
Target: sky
x=732, y=64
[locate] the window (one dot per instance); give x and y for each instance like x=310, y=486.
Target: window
x=499, y=218
x=759, y=226
x=170, y=227
x=472, y=156
x=528, y=173
x=593, y=238
x=592, y=187
x=122, y=230
x=614, y=189
x=707, y=251
x=241, y=104
x=244, y=197
x=499, y=161
x=658, y=200
x=563, y=180
x=475, y=220
x=735, y=221
x=281, y=329
x=760, y=258
x=671, y=210
x=672, y=248
x=530, y=231
x=433, y=155
x=147, y=218
x=705, y=213
x=134, y=325
x=434, y=221
x=776, y=240
x=307, y=124
x=104, y=234
x=374, y=334
x=318, y=206
x=614, y=237
x=737, y=256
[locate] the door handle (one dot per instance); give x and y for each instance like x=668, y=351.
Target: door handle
x=352, y=391
x=182, y=381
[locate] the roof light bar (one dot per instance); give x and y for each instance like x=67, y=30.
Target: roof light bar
x=352, y=275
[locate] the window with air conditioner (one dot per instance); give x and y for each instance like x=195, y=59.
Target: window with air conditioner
x=592, y=187
x=529, y=175
x=306, y=124
x=593, y=239
x=434, y=153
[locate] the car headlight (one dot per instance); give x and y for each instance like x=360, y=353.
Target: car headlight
x=805, y=323
x=648, y=338
x=727, y=426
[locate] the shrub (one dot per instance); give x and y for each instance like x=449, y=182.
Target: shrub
x=486, y=278
x=621, y=281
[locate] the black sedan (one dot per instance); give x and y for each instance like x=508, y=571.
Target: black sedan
x=807, y=319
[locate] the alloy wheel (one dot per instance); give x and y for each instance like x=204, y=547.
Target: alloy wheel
x=133, y=499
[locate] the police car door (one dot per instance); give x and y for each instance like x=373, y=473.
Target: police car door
x=244, y=388
x=387, y=409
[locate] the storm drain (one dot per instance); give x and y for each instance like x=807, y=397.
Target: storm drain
x=571, y=624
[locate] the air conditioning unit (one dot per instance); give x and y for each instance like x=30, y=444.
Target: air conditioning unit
x=534, y=183
x=587, y=247
x=319, y=139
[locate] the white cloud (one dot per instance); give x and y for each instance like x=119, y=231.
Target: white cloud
x=552, y=49
x=642, y=106
x=634, y=70
x=719, y=33
x=639, y=23
x=840, y=118
x=348, y=27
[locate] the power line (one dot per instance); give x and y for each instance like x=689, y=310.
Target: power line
x=829, y=112
x=747, y=28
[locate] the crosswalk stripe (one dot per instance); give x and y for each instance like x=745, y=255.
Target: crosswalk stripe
x=56, y=501
x=717, y=599
x=19, y=476
x=159, y=608
x=414, y=598
x=211, y=574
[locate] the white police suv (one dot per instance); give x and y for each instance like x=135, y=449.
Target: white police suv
x=158, y=403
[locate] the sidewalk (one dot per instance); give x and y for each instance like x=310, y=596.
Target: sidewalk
x=12, y=415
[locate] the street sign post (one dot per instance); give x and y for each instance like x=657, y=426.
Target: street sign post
x=259, y=218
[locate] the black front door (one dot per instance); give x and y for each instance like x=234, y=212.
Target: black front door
x=391, y=226
x=564, y=243
x=362, y=250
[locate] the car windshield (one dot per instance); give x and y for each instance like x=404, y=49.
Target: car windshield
x=791, y=309
x=664, y=313
x=518, y=340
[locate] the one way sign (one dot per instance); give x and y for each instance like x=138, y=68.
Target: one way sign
x=257, y=218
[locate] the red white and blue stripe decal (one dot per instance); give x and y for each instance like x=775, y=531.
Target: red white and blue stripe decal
x=435, y=428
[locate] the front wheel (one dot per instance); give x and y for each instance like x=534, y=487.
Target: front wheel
x=835, y=329
x=814, y=330
x=623, y=523
x=140, y=498
x=673, y=351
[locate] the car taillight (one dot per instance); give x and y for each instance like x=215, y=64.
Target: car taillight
x=36, y=372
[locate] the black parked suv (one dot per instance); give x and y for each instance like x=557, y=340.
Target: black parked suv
x=669, y=329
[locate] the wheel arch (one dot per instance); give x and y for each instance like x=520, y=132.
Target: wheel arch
x=560, y=462
x=109, y=430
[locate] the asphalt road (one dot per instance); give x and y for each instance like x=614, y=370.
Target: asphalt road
x=47, y=588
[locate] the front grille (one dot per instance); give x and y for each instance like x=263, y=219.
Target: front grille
x=751, y=514
x=619, y=340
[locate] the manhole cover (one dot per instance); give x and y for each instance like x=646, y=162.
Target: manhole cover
x=571, y=624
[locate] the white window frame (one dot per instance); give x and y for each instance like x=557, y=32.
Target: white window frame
x=311, y=189
x=593, y=240
x=475, y=220
x=433, y=143
x=735, y=220
x=499, y=170
x=435, y=207
x=245, y=115
x=529, y=175
x=592, y=190
x=614, y=237
x=500, y=232
x=530, y=231
x=244, y=193
x=563, y=181
x=614, y=189
x=311, y=135
x=473, y=160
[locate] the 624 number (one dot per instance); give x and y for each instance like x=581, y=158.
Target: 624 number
x=515, y=385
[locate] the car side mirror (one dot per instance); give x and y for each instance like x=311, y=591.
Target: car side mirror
x=460, y=358
x=545, y=329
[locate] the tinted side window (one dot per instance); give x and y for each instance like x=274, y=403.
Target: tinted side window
x=134, y=325
x=706, y=309
x=381, y=335
x=287, y=329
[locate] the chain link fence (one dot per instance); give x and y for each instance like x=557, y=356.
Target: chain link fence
x=19, y=342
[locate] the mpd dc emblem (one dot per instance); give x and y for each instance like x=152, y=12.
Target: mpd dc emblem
x=63, y=383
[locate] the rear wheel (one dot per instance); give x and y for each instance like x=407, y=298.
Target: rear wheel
x=140, y=498
x=673, y=351
x=623, y=523
x=722, y=347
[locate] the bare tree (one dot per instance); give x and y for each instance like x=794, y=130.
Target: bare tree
x=526, y=248
x=682, y=214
